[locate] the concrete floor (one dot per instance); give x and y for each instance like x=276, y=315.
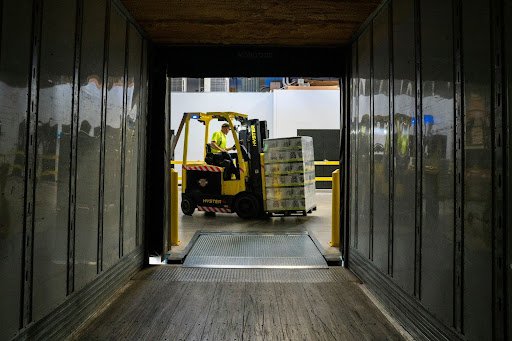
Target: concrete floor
x=317, y=224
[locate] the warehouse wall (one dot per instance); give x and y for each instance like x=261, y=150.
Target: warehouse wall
x=305, y=109
x=72, y=114
x=426, y=195
x=285, y=111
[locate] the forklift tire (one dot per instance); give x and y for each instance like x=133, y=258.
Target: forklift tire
x=188, y=205
x=247, y=206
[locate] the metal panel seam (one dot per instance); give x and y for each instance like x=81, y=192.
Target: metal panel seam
x=368, y=22
x=392, y=139
x=139, y=144
x=372, y=158
x=145, y=110
x=123, y=138
x=104, y=94
x=74, y=145
x=507, y=114
x=459, y=166
x=1, y=26
x=119, y=5
x=356, y=102
x=498, y=232
x=30, y=168
x=419, y=149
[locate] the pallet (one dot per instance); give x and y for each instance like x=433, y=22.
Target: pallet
x=287, y=213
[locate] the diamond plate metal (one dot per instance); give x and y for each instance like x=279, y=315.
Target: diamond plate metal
x=254, y=251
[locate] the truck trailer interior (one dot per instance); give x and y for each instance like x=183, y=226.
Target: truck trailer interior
x=409, y=239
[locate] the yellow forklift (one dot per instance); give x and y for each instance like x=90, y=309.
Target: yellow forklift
x=231, y=183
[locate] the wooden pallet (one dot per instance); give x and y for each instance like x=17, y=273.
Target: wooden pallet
x=291, y=212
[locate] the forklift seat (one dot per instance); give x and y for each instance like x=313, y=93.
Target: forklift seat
x=209, y=155
x=221, y=160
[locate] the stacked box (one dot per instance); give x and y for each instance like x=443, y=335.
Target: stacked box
x=289, y=174
x=290, y=168
x=289, y=205
x=279, y=193
x=287, y=180
x=290, y=155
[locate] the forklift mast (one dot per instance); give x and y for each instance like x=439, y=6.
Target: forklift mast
x=253, y=138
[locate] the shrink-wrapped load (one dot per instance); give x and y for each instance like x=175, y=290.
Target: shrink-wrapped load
x=289, y=174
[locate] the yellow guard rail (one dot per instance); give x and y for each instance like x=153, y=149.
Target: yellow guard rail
x=173, y=233
x=335, y=233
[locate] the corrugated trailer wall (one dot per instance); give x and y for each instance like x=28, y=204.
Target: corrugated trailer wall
x=73, y=78
x=428, y=202
x=508, y=68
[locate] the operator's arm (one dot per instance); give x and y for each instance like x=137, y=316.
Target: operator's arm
x=216, y=146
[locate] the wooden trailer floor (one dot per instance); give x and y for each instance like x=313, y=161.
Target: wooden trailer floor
x=170, y=302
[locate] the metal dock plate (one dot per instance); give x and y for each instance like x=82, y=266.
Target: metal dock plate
x=283, y=251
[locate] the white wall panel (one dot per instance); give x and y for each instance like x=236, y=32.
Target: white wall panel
x=305, y=109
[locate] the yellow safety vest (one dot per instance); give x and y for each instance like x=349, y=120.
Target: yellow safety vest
x=220, y=139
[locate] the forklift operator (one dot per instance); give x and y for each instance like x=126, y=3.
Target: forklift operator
x=219, y=140
x=221, y=155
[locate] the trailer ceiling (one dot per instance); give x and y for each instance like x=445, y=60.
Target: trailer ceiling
x=248, y=22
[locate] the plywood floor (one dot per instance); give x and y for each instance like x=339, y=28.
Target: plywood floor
x=174, y=303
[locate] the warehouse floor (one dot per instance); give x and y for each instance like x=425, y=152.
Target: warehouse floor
x=317, y=224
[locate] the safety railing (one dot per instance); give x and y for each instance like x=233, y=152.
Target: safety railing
x=325, y=163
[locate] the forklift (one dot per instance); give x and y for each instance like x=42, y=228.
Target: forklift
x=228, y=186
